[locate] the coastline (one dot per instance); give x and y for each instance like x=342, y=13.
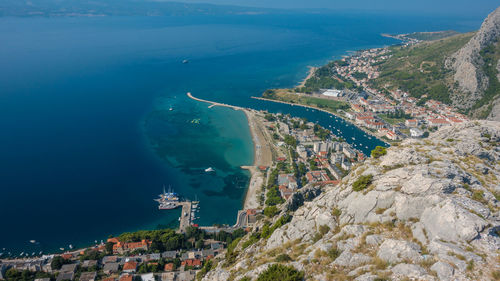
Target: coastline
x=262, y=157
x=312, y=70
x=262, y=152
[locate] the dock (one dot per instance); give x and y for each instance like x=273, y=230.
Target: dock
x=186, y=219
x=212, y=103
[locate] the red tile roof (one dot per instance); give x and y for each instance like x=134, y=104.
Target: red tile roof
x=130, y=265
x=168, y=267
x=126, y=277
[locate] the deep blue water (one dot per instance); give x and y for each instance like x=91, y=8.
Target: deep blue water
x=87, y=140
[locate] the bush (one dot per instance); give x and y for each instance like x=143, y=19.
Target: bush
x=362, y=182
x=283, y=258
x=379, y=151
x=270, y=211
x=278, y=272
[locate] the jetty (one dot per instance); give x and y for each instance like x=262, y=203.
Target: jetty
x=212, y=103
x=186, y=218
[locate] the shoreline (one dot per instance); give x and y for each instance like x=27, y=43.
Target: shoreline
x=312, y=70
x=262, y=155
x=325, y=111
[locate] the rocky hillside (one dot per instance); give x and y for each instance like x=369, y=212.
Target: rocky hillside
x=470, y=73
x=427, y=210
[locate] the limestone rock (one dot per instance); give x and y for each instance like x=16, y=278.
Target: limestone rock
x=395, y=251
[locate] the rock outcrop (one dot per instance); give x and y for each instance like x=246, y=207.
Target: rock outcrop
x=431, y=212
x=467, y=63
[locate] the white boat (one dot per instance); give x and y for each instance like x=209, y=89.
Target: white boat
x=170, y=109
x=209, y=169
x=32, y=241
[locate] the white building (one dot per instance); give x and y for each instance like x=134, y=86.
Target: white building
x=416, y=133
x=332, y=93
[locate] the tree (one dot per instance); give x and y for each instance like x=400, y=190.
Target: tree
x=362, y=182
x=379, y=151
x=270, y=211
x=57, y=262
x=291, y=141
x=199, y=244
x=109, y=247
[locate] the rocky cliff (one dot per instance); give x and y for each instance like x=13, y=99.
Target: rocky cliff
x=467, y=64
x=427, y=210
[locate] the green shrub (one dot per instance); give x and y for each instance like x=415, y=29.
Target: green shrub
x=379, y=151
x=333, y=253
x=278, y=272
x=270, y=211
x=283, y=258
x=362, y=182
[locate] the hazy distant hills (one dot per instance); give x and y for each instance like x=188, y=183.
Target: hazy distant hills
x=56, y=8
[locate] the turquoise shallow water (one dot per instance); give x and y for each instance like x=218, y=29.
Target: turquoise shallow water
x=87, y=138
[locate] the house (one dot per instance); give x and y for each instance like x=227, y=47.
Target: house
x=126, y=277
x=195, y=263
x=168, y=276
x=111, y=267
x=220, y=245
x=152, y=257
x=186, y=276
x=349, y=152
x=88, y=276
x=346, y=165
x=373, y=124
x=168, y=266
x=301, y=150
x=39, y=279
x=411, y=123
x=438, y=122
x=288, y=180
x=391, y=135
x=113, y=240
x=109, y=279
x=69, y=267
x=357, y=108
x=285, y=192
x=132, y=246
x=148, y=277
x=169, y=254
x=416, y=133
x=108, y=259
x=130, y=266
x=65, y=276
x=317, y=176
x=89, y=263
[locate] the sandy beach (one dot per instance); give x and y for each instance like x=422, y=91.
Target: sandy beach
x=262, y=151
x=262, y=157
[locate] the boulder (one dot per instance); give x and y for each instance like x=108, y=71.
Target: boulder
x=395, y=251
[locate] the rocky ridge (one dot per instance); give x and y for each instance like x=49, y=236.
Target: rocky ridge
x=467, y=64
x=429, y=212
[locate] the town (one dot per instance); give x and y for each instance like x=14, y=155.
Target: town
x=390, y=114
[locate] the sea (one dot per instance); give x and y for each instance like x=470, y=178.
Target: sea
x=95, y=121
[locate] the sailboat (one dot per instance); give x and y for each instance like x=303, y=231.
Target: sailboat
x=209, y=169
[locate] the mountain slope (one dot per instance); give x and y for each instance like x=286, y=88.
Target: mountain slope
x=470, y=67
x=427, y=210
